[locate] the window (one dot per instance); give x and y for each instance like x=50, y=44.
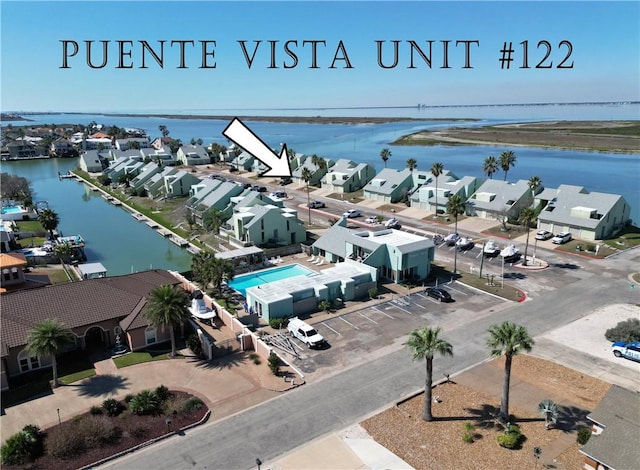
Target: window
x=150, y=336
x=14, y=272
x=6, y=274
x=27, y=362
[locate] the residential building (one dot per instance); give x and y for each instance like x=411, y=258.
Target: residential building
x=93, y=161
x=397, y=255
x=448, y=185
x=155, y=184
x=162, y=155
x=193, y=155
x=23, y=149
x=96, y=143
x=62, y=148
x=495, y=199
x=219, y=198
x=130, y=143
x=588, y=216
x=159, y=143
x=347, y=176
x=267, y=225
x=130, y=165
x=299, y=295
x=317, y=172
x=615, y=427
x=97, y=311
x=7, y=238
x=179, y=183
x=244, y=161
x=145, y=173
x=11, y=267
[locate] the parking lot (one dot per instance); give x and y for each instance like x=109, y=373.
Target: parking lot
x=355, y=336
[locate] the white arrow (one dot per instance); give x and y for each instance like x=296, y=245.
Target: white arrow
x=244, y=137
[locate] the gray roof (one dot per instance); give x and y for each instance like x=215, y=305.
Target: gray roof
x=239, y=253
x=574, y=205
x=223, y=193
x=388, y=180
x=495, y=195
x=309, y=164
x=619, y=413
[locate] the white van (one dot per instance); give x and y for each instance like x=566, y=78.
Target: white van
x=305, y=333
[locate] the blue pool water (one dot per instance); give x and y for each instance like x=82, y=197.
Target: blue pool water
x=11, y=209
x=242, y=283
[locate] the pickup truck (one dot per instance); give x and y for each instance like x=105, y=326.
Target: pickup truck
x=305, y=333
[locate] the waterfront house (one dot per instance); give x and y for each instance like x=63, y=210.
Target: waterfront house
x=159, y=143
x=193, y=155
x=347, y=176
x=163, y=155
x=178, y=184
x=317, y=173
x=267, y=225
x=397, y=255
x=97, y=311
x=615, y=427
x=23, y=150
x=244, y=161
x=155, y=184
x=7, y=237
x=96, y=143
x=129, y=165
x=299, y=295
x=62, y=148
x=389, y=185
x=130, y=143
x=219, y=199
x=425, y=196
x=495, y=199
x=145, y=173
x=587, y=215
x=12, y=268
x=93, y=161
x=200, y=190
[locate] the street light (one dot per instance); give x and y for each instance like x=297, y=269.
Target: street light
x=167, y=421
x=258, y=463
x=59, y=421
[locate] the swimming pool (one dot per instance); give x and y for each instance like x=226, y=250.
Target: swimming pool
x=242, y=283
x=12, y=209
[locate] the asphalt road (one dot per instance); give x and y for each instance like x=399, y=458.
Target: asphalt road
x=280, y=425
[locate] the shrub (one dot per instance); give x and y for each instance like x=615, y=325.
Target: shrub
x=274, y=363
x=583, y=436
x=468, y=432
x=99, y=431
x=193, y=343
x=65, y=441
x=145, y=403
x=192, y=404
x=511, y=438
x=128, y=397
x=112, y=407
x=324, y=306
x=22, y=447
x=373, y=293
x=277, y=323
x=468, y=438
x=95, y=410
x=627, y=330
x=255, y=357
x=104, y=180
x=162, y=393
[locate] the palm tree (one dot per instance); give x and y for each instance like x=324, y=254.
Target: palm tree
x=212, y=220
x=319, y=162
x=455, y=207
x=163, y=130
x=527, y=216
x=306, y=177
x=412, y=164
x=508, y=339
x=49, y=338
x=221, y=270
x=49, y=220
x=168, y=307
x=507, y=160
x=489, y=166
x=549, y=410
x=385, y=153
x=424, y=344
x=236, y=153
x=436, y=170
x=534, y=183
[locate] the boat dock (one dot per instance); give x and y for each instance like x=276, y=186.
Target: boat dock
x=152, y=223
x=137, y=216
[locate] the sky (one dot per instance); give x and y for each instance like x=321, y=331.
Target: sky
x=354, y=45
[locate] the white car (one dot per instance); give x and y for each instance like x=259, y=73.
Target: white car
x=543, y=235
x=371, y=220
x=305, y=333
x=351, y=213
x=562, y=237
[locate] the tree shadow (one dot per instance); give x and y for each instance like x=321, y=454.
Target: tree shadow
x=225, y=362
x=100, y=385
x=515, y=276
x=571, y=418
x=565, y=265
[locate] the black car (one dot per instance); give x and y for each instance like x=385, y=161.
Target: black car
x=233, y=169
x=260, y=189
x=439, y=294
x=285, y=181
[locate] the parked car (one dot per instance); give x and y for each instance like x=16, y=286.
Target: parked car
x=562, y=237
x=246, y=185
x=351, y=213
x=452, y=238
x=278, y=195
x=316, y=204
x=439, y=294
x=260, y=189
x=393, y=223
x=371, y=220
x=305, y=333
x=233, y=169
x=285, y=181
x=627, y=350
x=543, y=235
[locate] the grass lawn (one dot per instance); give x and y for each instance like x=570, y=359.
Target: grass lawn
x=30, y=242
x=30, y=226
x=57, y=276
x=355, y=197
x=141, y=357
x=74, y=377
x=629, y=238
x=513, y=231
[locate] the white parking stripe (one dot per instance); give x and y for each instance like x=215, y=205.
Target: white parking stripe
x=400, y=308
x=456, y=290
x=364, y=316
x=378, y=310
x=423, y=296
x=418, y=305
x=331, y=329
x=348, y=323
